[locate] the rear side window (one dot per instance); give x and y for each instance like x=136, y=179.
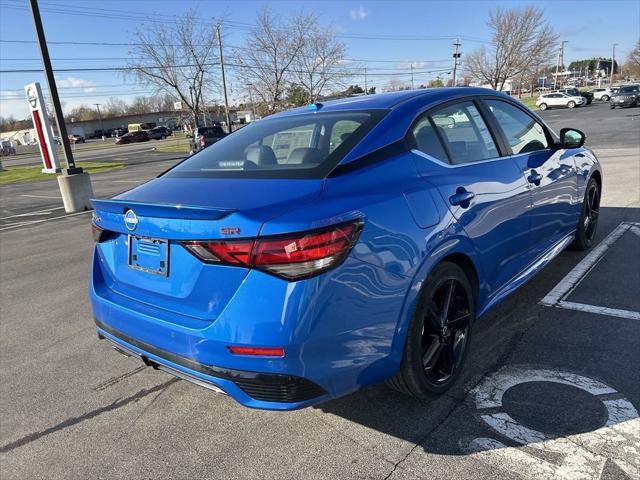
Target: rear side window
x=306, y=145
x=465, y=133
x=426, y=140
x=522, y=131
x=340, y=132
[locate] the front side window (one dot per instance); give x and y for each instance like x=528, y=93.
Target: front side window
x=307, y=145
x=465, y=133
x=523, y=133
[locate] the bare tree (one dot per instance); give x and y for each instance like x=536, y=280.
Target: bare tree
x=114, y=107
x=632, y=65
x=521, y=40
x=320, y=63
x=178, y=59
x=272, y=47
x=397, y=85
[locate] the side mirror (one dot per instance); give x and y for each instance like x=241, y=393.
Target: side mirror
x=572, y=138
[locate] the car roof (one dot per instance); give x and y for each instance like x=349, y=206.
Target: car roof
x=390, y=100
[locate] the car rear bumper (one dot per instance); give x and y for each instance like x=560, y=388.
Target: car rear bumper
x=252, y=389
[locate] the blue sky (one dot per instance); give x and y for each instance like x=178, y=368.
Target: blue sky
x=590, y=27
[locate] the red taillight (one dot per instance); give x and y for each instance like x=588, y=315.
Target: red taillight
x=294, y=256
x=228, y=253
x=258, y=351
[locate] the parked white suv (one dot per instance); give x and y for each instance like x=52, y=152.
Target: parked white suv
x=557, y=99
x=603, y=94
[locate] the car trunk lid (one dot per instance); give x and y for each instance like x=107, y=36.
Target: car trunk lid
x=182, y=209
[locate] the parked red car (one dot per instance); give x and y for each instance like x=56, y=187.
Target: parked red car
x=132, y=137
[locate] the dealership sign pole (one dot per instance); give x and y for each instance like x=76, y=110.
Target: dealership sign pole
x=43, y=129
x=75, y=185
x=53, y=90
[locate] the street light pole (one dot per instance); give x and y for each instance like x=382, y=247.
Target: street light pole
x=100, y=117
x=53, y=90
x=613, y=60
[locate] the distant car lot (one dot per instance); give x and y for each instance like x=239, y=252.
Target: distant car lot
x=569, y=378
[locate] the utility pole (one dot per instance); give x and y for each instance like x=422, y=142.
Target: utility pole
x=100, y=117
x=412, y=85
x=53, y=90
x=224, y=83
x=366, y=90
x=613, y=59
x=560, y=56
x=456, y=56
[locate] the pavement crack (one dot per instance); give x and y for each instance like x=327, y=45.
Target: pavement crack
x=32, y=437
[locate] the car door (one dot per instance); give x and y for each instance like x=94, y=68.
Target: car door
x=550, y=173
x=485, y=190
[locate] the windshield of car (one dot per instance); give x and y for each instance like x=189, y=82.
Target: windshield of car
x=629, y=89
x=308, y=145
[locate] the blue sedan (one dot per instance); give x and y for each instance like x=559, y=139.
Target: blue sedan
x=330, y=247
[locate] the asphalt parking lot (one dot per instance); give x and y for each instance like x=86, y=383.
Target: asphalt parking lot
x=551, y=391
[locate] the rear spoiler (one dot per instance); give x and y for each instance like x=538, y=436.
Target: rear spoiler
x=158, y=210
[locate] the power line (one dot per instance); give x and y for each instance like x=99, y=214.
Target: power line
x=206, y=64
x=131, y=44
x=230, y=24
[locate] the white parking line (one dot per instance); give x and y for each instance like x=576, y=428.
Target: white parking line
x=13, y=226
x=35, y=212
x=564, y=288
x=611, y=312
x=41, y=196
x=569, y=282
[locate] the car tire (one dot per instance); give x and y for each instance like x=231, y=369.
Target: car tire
x=435, y=351
x=588, y=221
x=571, y=104
x=612, y=107
x=162, y=137
x=543, y=106
x=605, y=98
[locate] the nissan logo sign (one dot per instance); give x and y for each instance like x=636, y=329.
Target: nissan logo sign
x=130, y=220
x=32, y=97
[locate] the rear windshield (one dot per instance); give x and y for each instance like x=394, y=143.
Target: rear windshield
x=210, y=131
x=308, y=145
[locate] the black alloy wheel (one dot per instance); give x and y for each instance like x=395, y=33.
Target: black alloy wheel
x=445, y=332
x=588, y=223
x=438, y=336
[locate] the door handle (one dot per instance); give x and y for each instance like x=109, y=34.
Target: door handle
x=462, y=198
x=534, y=177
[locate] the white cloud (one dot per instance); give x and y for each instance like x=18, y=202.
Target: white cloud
x=359, y=13
x=416, y=65
x=72, y=82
